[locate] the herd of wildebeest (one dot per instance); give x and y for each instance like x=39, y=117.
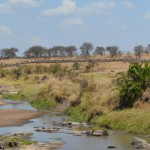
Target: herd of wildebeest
x=50, y=61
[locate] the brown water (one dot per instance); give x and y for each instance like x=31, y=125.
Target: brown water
x=119, y=139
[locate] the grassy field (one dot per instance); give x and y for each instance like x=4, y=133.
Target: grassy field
x=89, y=94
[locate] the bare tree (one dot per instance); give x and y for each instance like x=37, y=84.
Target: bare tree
x=113, y=50
x=86, y=48
x=100, y=50
x=138, y=50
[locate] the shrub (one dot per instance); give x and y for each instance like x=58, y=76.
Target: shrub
x=75, y=65
x=17, y=73
x=4, y=73
x=132, y=84
x=27, y=69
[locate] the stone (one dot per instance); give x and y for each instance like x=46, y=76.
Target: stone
x=10, y=144
x=140, y=143
x=2, y=145
x=111, y=147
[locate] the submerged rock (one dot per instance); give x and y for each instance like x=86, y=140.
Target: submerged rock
x=111, y=147
x=49, y=130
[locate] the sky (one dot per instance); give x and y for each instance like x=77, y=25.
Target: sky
x=26, y=23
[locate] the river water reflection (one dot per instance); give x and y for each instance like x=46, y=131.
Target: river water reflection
x=120, y=140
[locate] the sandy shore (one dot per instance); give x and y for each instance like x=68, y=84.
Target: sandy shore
x=42, y=146
x=3, y=103
x=13, y=117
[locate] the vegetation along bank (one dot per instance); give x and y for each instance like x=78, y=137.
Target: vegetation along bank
x=110, y=97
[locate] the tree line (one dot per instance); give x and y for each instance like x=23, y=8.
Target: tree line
x=86, y=49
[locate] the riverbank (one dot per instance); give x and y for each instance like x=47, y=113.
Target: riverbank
x=84, y=95
x=14, y=117
x=3, y=103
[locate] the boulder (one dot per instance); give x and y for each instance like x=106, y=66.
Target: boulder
x=2, y=145
x=111, y=147
x=49, y=130
x=97, y=133
x=140, y=143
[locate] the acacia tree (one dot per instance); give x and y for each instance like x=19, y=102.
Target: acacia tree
x=113, y=50
x=49, y=52
x=147, y=49
x=138, y=50
x=70, y=50
x=35, y=51
x=9, y=52
x=100, y=50
x=86, y=48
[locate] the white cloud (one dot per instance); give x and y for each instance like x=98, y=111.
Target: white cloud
x=6, y=31
x=67, y=7
x=98, y=7
x=4, y=8
x=146, y=15
x=128, y=4
x=36, y=40
x=10, y=5
x=72, y=21
x=25, y=3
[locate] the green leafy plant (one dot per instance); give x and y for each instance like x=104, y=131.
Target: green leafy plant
x=132, y=84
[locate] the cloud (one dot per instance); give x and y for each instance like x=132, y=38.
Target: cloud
x=98, y=7
x=36, y=40
x=10, y=5
x=67, y=7
x=128, y=4
x=4, y=8
x=146, y=15
x=72, y=21
x=25, y=3
x=6, y=31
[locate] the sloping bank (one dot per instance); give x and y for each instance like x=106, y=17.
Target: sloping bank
x=85, y=101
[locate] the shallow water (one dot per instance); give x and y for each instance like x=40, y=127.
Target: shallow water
x=120, y=140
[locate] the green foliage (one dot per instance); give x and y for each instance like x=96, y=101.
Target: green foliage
x=132, y=84
x=43, y=104
x=16, y=72
x=77, y=114
x=55, y=68
x=131, y=120
x=4, y=73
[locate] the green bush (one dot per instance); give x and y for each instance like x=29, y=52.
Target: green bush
x=132, y=84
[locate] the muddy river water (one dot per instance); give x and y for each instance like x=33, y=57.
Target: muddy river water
x=118, y=139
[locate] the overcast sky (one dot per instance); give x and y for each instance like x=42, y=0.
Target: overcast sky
x=124, y=23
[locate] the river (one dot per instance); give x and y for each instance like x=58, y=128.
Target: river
x=119, y=139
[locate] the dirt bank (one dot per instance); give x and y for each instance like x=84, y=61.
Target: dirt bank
x=3, y=103
x=13, y=117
